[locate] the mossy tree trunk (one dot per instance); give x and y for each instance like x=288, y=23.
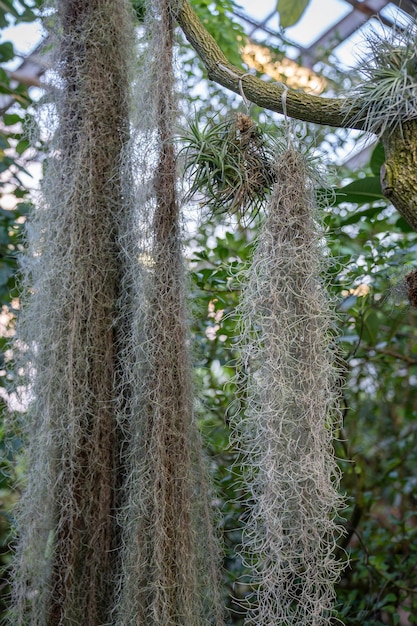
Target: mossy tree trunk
x=399, y=172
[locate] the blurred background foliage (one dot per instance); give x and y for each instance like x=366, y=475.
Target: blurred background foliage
x=15, y=203
x=372, y=250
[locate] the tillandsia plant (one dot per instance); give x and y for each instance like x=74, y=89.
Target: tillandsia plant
x=230, y=164
x=291, y=415
x=170, y=555
x=115, y=523
x=387, y=96
x=66, y=560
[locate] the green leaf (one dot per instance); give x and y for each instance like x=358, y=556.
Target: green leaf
x=361, y=191
x=6, y=52
x=377, y=159
x=20, y=193
x=5, y=163
x=403, y=225
x=6, y=6
x=358, y=216
x=4, y=81
x=11, y=118
x=22, y=145
x=347, y=303
x=372, y=323
x=5, y=273
x=27, y=16
x=217, y=17
x=23, y=208
x=4, y=144
x=290, y=11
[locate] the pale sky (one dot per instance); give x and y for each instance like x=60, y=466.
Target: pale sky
x=320, y=15
x=318, y=18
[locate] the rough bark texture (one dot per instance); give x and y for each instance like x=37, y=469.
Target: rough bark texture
x=302, y=106
x=399, y=172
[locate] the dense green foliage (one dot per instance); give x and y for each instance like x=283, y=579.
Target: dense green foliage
x=373, y=249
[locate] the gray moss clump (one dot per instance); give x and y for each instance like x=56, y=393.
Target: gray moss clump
x=170, y=555
x=286, y=432
x=65, y=561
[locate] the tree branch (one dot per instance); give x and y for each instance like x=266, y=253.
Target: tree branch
x=397, y=355
x=272, y=96
x=399, y=177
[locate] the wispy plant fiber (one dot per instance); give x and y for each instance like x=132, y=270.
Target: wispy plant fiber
x=286, y=432
x=387, y=96
x=230, y=163
x=65, y=570
x=170, y=555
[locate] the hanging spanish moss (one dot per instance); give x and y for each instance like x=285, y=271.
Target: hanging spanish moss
x=64, y=571
x=286, y=433
x=170, y=555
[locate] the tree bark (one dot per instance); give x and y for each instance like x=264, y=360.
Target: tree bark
x=399, y=173
x=273, y=96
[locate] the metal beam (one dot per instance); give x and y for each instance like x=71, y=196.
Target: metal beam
x=336, y=34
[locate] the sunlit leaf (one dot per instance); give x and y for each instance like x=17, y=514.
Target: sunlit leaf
x=290, y=11
x=6, y=51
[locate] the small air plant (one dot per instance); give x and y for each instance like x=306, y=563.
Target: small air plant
x=230, y=163
x=387, y=97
